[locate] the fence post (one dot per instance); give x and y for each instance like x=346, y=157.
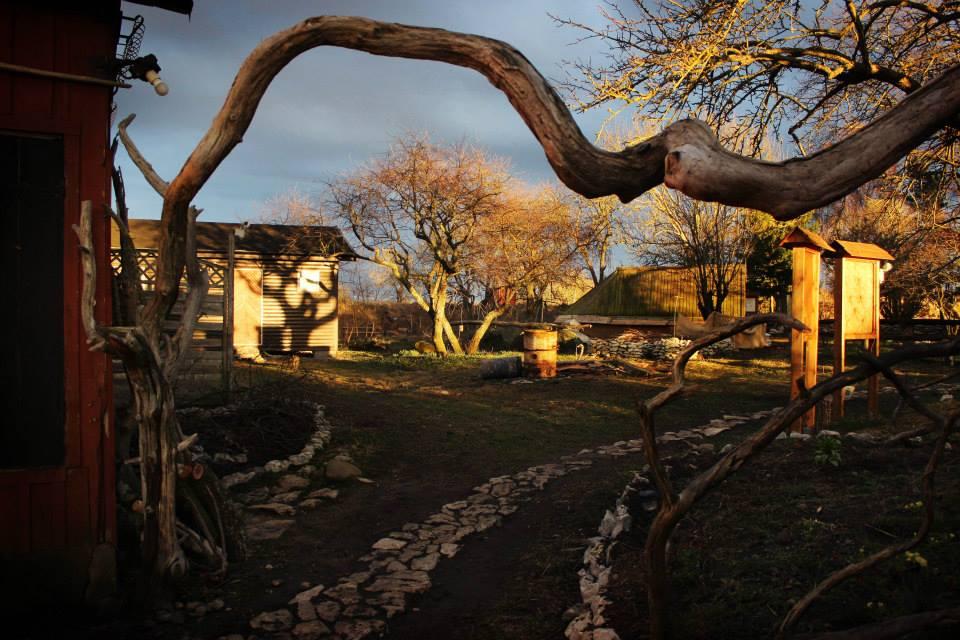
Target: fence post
x=227, y=333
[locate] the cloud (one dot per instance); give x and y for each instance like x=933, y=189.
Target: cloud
x=332, y=109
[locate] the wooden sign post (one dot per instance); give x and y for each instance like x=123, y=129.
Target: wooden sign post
x=856, y=310
x=805, y=307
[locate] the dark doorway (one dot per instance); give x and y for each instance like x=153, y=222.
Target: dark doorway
x=31, y=210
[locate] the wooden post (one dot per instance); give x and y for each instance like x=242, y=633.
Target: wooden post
x=805, y=307
x=227, y=344
x=839, y=337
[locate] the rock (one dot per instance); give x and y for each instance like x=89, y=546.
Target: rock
x=290, y=482
x=328, y=610
x=363, y=480
x=327, y=493
x=310, y=630
x=306, y=611
x=339, y=469
x=309, y=504
x=287, y=498
x=279, y=620
x=799, y=436
x=276, y=466
x=712, y=431
x=403, y=581
x=255, y=496
x=300, y=459
x=234, y=479
x=307, y=471
x=449, y=549
x=215, y=605
x=268, y=530
x=357, y=629
x=386, y=544
x=502, y=489
x=727, y=448
x=274, y=507
x=605, y=634
x=345, y=592
x=308, y=595
x=827, y=433
x=425, y=563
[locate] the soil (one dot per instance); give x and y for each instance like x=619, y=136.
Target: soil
x=426, y=435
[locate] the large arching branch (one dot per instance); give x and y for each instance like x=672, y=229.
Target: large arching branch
x=686, y=155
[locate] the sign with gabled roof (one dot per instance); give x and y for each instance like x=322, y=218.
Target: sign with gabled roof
x=801, y=237
x=866, y=250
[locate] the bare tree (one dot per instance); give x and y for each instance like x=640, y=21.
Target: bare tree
x=814, y=70
x=598, y=227
x=686, y=156
x=415, y=212
x=710, y=239
x=521, y=248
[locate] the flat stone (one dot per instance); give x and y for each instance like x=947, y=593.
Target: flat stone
x=339, y=469
x=392, y=602
x=234, y=479
x=387, y=544
x=276, y=466
x=274, y=507
x=279, y=620
x=359, y=611
x=712, y=431
x=484, y=522
x=425, y=563
x=403, y=581
x=455, y=506
x=449, y=549
x=306, y=611
x=310, y=630
x=346, y=593
x=326, y=493
x=396, y=565
x=356, y=629
x=290, y=482
x=328, y=610
x=309, y=504
x=288, y=497
x=306, y=596
x=502, y=489
x=268, y=529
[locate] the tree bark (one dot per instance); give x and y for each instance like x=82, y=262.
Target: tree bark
x=685, y=156
x=474, y=345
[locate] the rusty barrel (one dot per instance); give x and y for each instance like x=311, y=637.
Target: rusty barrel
x=540, y=353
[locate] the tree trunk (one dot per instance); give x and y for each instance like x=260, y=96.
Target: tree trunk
x=153, y=408
x=452, y=337
x=474, y=345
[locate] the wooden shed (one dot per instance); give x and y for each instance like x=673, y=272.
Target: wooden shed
x=57, y=504
x=285, y=281
x=647, y=298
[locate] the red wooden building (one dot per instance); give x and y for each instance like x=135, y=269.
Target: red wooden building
x=57, y=507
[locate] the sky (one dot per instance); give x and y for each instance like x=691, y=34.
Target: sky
x=332, y=109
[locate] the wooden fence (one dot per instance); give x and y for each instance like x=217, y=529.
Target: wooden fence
x=210, y=362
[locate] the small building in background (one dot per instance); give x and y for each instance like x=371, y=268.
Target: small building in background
x=649, y=299
x=285, y=283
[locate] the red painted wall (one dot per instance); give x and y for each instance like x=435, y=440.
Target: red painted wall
x=51, y=519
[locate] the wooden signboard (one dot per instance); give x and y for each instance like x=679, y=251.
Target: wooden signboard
x=856, y=299
x=805, y=307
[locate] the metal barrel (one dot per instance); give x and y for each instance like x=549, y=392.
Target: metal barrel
x=540, y=353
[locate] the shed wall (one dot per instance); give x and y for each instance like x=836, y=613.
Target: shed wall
x=51, y=518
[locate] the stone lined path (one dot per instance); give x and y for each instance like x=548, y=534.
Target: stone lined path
x=398, y=566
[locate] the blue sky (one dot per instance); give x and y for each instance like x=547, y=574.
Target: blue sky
x=332, y=109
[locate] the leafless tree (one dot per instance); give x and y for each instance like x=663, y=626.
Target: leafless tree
x=415, y=212
x=711, y=240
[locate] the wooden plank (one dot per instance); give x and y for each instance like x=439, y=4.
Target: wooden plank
x=227, y=317
x=839, y=341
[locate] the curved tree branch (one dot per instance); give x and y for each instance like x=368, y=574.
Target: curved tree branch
x=686, y=155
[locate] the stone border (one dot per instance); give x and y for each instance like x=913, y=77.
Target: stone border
x=318, y=441
x=589, y=622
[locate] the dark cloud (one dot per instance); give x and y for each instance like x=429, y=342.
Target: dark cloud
x=332, y=109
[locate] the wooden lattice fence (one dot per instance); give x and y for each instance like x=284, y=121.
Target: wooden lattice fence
x=210, y=362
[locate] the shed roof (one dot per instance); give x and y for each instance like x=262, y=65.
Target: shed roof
x=652, y=291
x=264, y=239
x=848, y=249
x=800, y=237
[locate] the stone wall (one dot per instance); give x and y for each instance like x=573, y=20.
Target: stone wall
x=652, y=348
